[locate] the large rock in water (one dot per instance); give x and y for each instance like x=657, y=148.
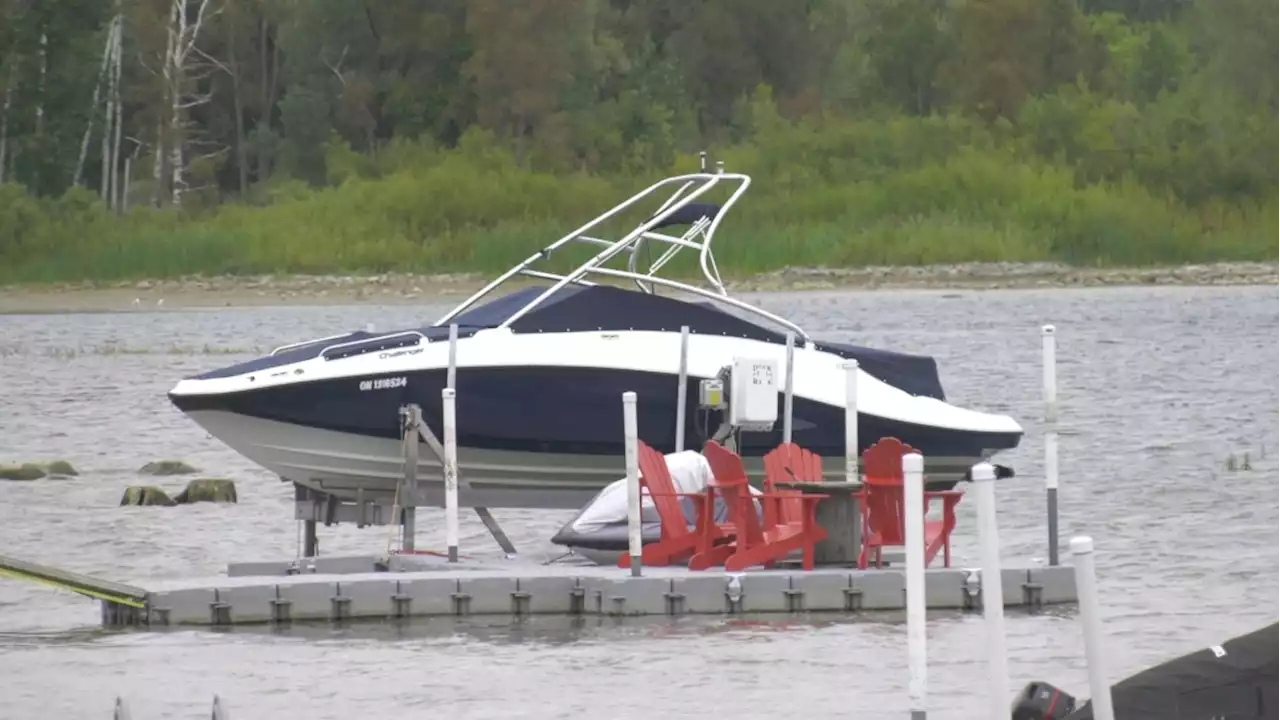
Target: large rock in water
x=25, y=471
x=208, y=490
x=167, y=467
x=146, y=495
x=35, y=471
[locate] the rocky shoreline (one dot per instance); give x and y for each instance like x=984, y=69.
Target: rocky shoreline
x=399, y=288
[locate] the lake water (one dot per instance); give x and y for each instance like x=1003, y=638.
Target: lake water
x=1159, y=387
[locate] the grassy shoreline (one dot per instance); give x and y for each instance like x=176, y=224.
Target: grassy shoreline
x=404, y=288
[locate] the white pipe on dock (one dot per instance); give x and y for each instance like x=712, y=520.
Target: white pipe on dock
x=1050, y=362
x=682, y=391
x=851, y=421
x=448, y=399
x=1091, y=620
x=452, y=378
x=789, y=388
x=633, y=480
x=913, y=527
x=984, y=486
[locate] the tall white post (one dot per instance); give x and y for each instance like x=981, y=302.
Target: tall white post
x=913, y=527
x=984, y=485
x=851, y=421
x=447, y=396
x=682, y=391
x=1091, y=620
x=789, y=387
x=452, y=378
x=1049, y=352
x=634, y=544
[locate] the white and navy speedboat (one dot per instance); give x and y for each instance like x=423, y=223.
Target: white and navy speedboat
x=540, y=373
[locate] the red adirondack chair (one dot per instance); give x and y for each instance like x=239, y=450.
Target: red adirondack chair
x=788, y=463
x=754, y=543
x=677, y=541
x=883, y=504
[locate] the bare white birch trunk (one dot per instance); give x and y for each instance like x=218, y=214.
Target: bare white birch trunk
x=157, y=169
x=44, y=69
x=115, y=95
x=4, y=120
x=176, y=77
x=93, y=108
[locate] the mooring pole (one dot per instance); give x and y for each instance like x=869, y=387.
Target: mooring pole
x=913, y=527
x=789, y=387
x=450, y=472
x=634, y=544
x=682, y=390
x=984, y=485
x=1049, y=354
x=1091, y=622
x=851, y=421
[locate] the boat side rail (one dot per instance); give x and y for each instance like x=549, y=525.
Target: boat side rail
x=711, y=180
x=304, y=343
x=377, y=342
x=703, y=292
x=708, y=180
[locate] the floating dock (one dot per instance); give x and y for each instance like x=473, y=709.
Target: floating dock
x=338, y=589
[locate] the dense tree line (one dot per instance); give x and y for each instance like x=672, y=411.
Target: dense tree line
x=194, y=104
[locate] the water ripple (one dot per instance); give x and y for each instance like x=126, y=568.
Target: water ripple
x=1159, y=388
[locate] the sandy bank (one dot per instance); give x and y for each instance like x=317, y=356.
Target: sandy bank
x=393, y=288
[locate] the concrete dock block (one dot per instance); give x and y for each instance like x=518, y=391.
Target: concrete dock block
x=1057, y=584
x=765, y=593
x=371, y=598
x=248, y=604
x=1015, y=588
x=628, y=596
x=544, y=595
x=697, y=593
x=432, y=596
x=824, y=592
x=882, y=589
x=944, y=588
x=311, y=600
x=487, y=595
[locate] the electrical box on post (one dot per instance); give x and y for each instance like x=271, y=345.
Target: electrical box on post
x=753, y=400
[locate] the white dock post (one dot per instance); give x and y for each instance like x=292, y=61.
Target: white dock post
x=634, y=544
x=851, y=422
x=789, y=387
x=913, y=527
x=452, y=378
x=682, y=392
x=1091, y=620
x=984, y=485
x=1049, y=353
x=447, y=396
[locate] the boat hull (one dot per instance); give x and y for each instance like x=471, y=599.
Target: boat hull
x=531, y=437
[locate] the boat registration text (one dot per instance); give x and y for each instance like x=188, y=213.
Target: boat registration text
x=383, y=383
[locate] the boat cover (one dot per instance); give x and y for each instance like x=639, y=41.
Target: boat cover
x=1232, y=681
x=584, y=308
